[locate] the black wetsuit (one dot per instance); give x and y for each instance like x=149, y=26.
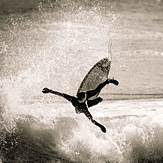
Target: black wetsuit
x=81, y=106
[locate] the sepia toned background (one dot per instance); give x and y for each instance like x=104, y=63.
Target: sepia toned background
x=53, y=44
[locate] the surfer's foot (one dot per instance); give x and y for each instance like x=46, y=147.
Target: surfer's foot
x=113, y=81
x=103, y=129
x=45, y=90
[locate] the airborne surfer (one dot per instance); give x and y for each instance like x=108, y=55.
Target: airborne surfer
x=92, y=84
x=83, y=100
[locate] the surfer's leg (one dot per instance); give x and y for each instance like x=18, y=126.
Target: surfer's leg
x=66, y=96
x=103, y=129
x=94, y=102
x=88, y=114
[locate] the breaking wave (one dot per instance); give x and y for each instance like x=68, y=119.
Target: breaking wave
x=40, y=134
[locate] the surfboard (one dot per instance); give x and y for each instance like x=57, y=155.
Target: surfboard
x=96, y=75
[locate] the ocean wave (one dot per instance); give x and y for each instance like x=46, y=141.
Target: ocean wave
x=67, y=139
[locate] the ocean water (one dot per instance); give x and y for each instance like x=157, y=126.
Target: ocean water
x=54, y=44
x=54, y=133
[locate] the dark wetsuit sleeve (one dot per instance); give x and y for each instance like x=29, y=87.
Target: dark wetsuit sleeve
x=96, y=91
x=66, y=96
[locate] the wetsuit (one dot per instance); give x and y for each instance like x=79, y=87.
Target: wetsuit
x=81, y=106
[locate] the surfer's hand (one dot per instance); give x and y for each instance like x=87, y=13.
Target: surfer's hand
x=103, y=129
x=113, y=81
x=45, y=90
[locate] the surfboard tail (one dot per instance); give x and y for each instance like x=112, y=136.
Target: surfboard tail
x=109, y=50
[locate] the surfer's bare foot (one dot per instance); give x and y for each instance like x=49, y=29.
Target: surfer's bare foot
x=113, y=81
x=45, y=90
x=103, y=129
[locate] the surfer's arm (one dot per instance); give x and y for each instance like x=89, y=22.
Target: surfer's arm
x=47, y=90
x=96, y=91
x=113, y=81
x=66, y=96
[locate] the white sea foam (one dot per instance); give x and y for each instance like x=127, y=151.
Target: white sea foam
x=132, y=126
x=55, y=49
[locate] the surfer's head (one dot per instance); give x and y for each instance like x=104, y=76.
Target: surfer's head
x=81, y=96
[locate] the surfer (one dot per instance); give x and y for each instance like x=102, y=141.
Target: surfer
x=83, y=99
